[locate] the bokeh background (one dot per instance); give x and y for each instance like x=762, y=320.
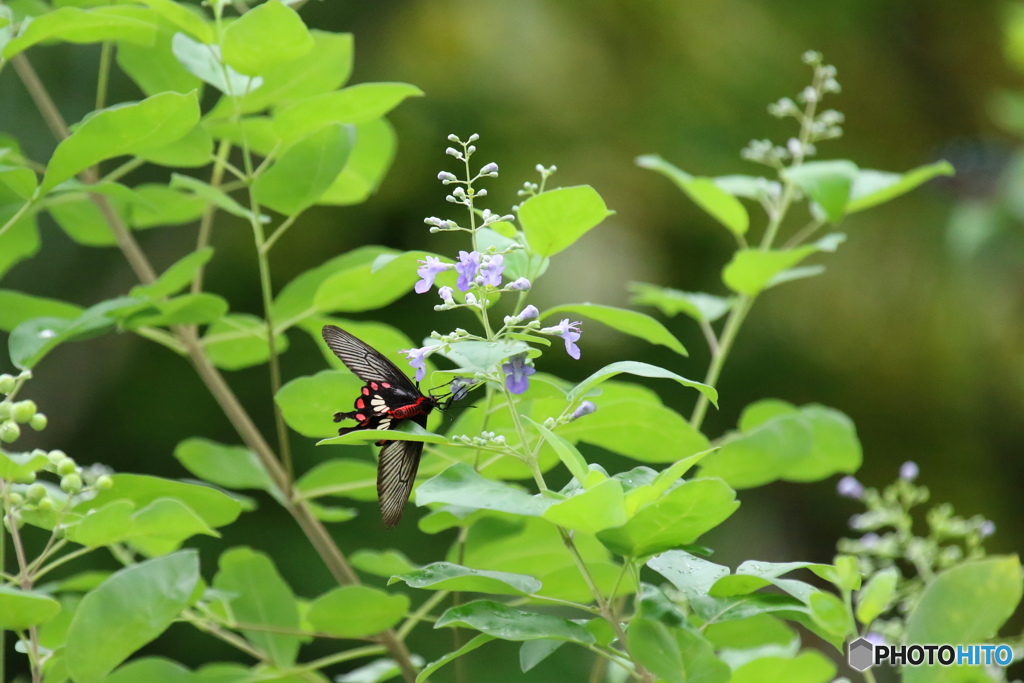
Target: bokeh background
x=916, y=331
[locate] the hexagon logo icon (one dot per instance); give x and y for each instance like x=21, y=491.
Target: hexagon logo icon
x=861, y=654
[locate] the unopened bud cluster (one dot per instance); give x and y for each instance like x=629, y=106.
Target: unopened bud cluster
x=28, y=494
x=483, y=440
x=889, y=540
x=814, y=126
x=13, y=414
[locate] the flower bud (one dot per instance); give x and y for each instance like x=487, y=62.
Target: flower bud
x=585, y=408
x=26, y=478
x=528, y=313
x=909, y=471
x=473, y=138
x=38, y=422
x=22, y=411
x=490, y=169
x=45, y=504
x=848, y=487
x=71, y=483
x=446, y=177
x=5, y=410
x=987, y=528
x=9, y=432
x=104, y=482
x=36, y=492
x=16, y=499
x=55, y=456
x=7, y=384
x=66, y=466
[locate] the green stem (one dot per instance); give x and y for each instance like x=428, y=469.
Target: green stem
x=276, y=235
x=206, y=222
x=421, y=612
x=718, y=356
x=3, y=570
x=123, y=170
x=17, y=215
x=104, y=76
x=346, y=656
x=61, y=560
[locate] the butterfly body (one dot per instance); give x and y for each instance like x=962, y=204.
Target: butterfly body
x=388, y=398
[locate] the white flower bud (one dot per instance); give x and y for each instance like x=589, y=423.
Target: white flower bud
x=473, y=138
x=490, y=169
x=453, y=138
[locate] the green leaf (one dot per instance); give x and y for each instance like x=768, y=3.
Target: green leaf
x=692, y=575
x=807, y=667
x=356, y=479
x=697, y=305
x=184, y=17
x=965, y=604
x=363, y=288
x=127, y=611
x=644, y=431
x=21, y=180
x=533, y=652
x=264, y=37
x=187, y=309
x=674, y=520
x=154, y=68
x=405, y=431
x=157, y=529
x=260, y=597
x=831, y=614
x=752, y=632
x=151, y=670
x=454, y=577
x=213, y=507
x=674, y=654
x=16, y=308
x=296, y=180
x=356, y=611
x=20, y=241
x=805, y=444
x=205, y=62
x=178, y=276
x=567, y=453
x=32, y=339
x=751, y=271
x=82, y=221
x=624, y=320
x=295, y=302
x=826, y=182
x=214, y=196
x=162, y=205
x=751, y=187
x=461, y=485
x=308, y=404
x=481, y=356
x=704, y=192
x=73, y=25
x=355, y=104
x=509, y=623
x=233, y=467
x=871, y=188
x=368, y=162
x=20, y=610
x=642, y=370
x=324, y=68
x=591, y=510
x=554, y=220
x=384, y=563
x=14, y=466
x=429, y=669
x=877, y=595
x=122, y=129
x=239, y=340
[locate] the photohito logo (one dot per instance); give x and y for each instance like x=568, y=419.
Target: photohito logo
x=863, y=654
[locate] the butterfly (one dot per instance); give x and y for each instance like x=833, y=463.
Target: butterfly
x=387, y=398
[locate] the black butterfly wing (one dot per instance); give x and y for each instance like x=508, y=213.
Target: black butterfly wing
x=364, y=361
x=396, y=473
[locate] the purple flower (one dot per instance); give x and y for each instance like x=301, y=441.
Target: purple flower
x=987, y=528
x=528, y=313
x=585, y=408
x=909, y=471
x=848, y=487
x=520, y=284
x=469, y=263
x=417, y=359
x=445, y=293
x=874, y=638
x=870, y=540
x=517, y=373
x=568, y=331
x=460, y=386
x=491, y=270
x=428, y=271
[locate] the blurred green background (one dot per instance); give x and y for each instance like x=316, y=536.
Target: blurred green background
x=916, y=331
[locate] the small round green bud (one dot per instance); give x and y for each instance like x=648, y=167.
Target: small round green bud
x=27, y=478
x=5, y=410
x=9, y=432
x=66, y=466
x=36, y=492
x=6, y=384
x=71, y=483
x=56, y=456
x=38, y=422
x=22, y=411
x=104, y=482
x=16, y=499
x=45, y=504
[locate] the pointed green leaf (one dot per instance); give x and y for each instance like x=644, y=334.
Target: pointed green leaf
x=430, y=669
x=624, y=320
x=16, y=308
x=184, y=17
x=642, y=370
x=264, y=37
x=356, y=611
x=20, y=609
x=123, y=129
x=367, y=164
x=74, y=25
x=355, y=104
x=406, y=430
x=205, y=62
x=127, y=611
x=697, y=305
x=509, y=623
x=461, y=485
x=239, y=340
x=386, y=563
x=296, y=180
x=567, y=453
x=675, y=655
x=154, y=68
x=295, y=302
x=704, y=192
x=233, y=467
x=21, y=240
x=826, y=182
x=876, y=595
x=260, y=597
x=871, y=188
x=162, y=205
x=355, y=479
x=178, y=276
x=554, y=220
x=213, y=195
x=589, y=511
x=454, y=577
x=752, y=270
x=213, y=507
x=807, y=667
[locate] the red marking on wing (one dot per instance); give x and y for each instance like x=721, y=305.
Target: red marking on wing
x=360, y=417
x=385, y=385
x=360, y=404
x=374, y=386
x=366, y=392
